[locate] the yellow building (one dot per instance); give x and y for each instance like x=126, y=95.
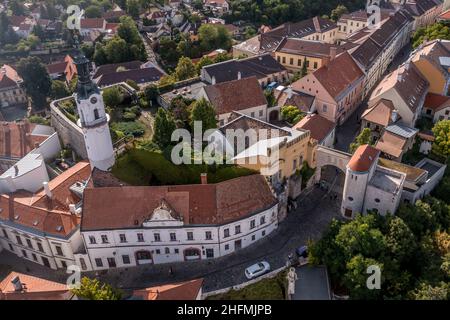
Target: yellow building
x=432, y=60
x=293, y=54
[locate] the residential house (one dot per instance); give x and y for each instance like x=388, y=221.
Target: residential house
x=378, y=116
x=444, y=16
x=157, y=17
x=433, y=61
x=186, y=290
x=293, y=53
x=406, y=88
x=337, y=87
x=218, y=7
x=322, y=130
x=19, y=286
x=436, y=107
x=43, y=226
x=65, y=69
x=244, y=95
x=90, y=24
x=141, y=73
x=264, y=67
x=124, y=226
x=396, y=140
x=11, y=90
x=381, y=45
x=353, y=22
x=424, y=12
x=286, y=96
x=318, y=29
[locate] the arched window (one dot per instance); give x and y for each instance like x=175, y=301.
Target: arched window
x=96, y=116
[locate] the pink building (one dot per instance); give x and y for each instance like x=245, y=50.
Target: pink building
x=337, y=86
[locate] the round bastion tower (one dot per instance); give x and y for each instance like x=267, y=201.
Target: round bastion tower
x=92, y=118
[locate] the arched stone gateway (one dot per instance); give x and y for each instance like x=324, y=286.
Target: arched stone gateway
x=330, y=157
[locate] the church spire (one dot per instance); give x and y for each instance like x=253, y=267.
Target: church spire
x=85, y=86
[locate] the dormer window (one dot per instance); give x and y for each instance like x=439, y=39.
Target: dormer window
x=96, y=116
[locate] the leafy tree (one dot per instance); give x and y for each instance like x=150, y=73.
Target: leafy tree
x=151, y=92
x=435, y=31
x=400, y=241
x=93, y=11
x=59, y=89
x=36, y=79
x=180, y=108
x=132, y=84
x=116, y=50
x=16, y=7
x=362, y=139
x=163, y=128
x=291, y=114
x=168, y=50
x=202, y=110
x=441, y=144
x=213, y=37
x=112, y=97
x=133, y=8
x=39, y=32
x=129, y=128
x=93, y=289
x=203, y=62
x=185, y=69
x=355, y=279
x=419, y=217
x=128, y=31
x=426, y=291
x=100, y=56
x=338, y=12
x=39, y=120
x=270, y=97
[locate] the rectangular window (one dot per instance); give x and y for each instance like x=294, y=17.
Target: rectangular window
x=158, y=251
x=284, y=59
x=209, y=253
x=208, y=235
x=324, y=108
x=253, y=237
x=176, y=251
x=227, y=247
x=104, y=238
x=11, y=247
x=59, y=251
x=63, y=264
x=123, y=238
x=157, y=237
x=299, y=62
x=92, y=240
x=252, y=224
x=263, y=233
x=173, y=236
x=34, y=257
x=237, y=229
x=226, y=233
x=19, y=240
x=190, y=235
x=291, y=61
x=5, y=234
x=262, y=220
x=126, y=259
x=261, y=112
x=140, y=237
x=29, y=244
x=167, y=250
x=99, y=262
x=24, y=253
x=315, y=65
x=40, y=248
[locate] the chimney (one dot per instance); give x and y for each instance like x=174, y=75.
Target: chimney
x=204, y=178
x=17, y=283
x=394, y=115
x=72, y=208
x=316, y=24
x=213, y=80
x=289, y=92
x=47, y=189
x=333, y=52
x=239, y=75
x=16, y=170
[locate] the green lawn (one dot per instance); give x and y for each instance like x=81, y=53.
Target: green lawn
x=143, y=167
x=265, y=289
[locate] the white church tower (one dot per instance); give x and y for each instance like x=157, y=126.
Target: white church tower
x=92, y=118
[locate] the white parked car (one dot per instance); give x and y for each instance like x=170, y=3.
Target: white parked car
x=257, y=269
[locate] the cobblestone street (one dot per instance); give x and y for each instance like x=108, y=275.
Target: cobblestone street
x=308, y=221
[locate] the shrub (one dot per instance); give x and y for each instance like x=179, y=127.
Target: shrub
x=133, y=128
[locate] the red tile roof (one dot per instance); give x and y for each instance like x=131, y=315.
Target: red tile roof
x=33, y=288
x=8, y=77
x=391, y=144
x=37, y=211
x=363, y=158
x=16, y=138
x=380, y=113
x=436, y=102
x=236, y=95
x=92, y=23
x=319, y=126
x=130, y=206
x=187, y=290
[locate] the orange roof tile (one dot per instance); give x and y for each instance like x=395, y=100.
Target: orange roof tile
x=16, y=138
x=379, y=113
x=391, y=144
x=33, y=288
x=187, y=290
x=319, y=126
x=436, y=102
x=363, y=158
